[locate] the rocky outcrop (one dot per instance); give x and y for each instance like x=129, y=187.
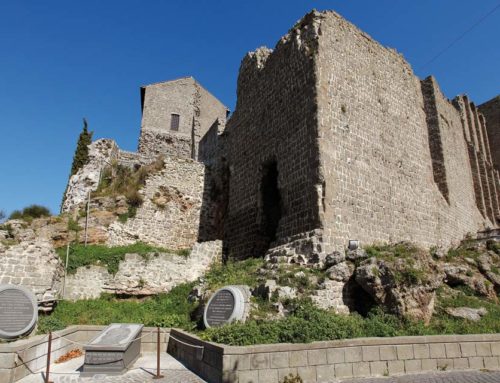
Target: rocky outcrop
x=467, y=313
x=101, y=153
x=405, y=287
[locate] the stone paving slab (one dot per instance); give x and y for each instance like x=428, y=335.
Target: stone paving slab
x=440, y=377
x=142, y=371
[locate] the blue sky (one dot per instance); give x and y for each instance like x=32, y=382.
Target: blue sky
x=64, y=60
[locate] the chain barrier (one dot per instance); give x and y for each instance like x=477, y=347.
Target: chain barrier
x=186, y=344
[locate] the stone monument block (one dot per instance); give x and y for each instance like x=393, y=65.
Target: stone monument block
x=228, y=304
x=18, y=311
x=113, y=350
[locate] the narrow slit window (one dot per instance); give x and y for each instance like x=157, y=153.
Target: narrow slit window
x=174, y=122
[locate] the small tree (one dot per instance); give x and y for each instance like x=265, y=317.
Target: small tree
x=82, y=149
x=2, y=215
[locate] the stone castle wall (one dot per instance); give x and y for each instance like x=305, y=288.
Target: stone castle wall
x=491, y=111
x=364, y=150
x=274, y=125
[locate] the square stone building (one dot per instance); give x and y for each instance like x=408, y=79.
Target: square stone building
x=176, y=114
x=335, y=138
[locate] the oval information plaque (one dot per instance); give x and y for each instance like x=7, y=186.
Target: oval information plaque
x=228, y=304
x=18, y=311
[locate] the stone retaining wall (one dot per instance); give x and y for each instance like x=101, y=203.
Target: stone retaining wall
x=323, y=361
x=21, y=358
x=138, y=275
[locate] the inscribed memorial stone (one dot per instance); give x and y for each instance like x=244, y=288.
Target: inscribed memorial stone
x=18, y=311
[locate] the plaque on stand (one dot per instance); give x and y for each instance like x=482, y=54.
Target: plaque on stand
x=18, y=311
x=228, y=304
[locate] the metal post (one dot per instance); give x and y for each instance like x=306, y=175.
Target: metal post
x=65, y=270
x=87, y=219
x=49, y=351
x=158, y=375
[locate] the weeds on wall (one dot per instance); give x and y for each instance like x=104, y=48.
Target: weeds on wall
x=110, y=257
x=118, y=180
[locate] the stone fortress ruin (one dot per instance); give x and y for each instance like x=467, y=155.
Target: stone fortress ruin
x=333, y=138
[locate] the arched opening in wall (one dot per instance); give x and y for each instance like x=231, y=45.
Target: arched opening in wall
x=357, y=299
x=271, y=203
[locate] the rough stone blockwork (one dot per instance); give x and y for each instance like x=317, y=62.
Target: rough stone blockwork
x=348, y=142
x=274, y=126
x=33, y=264
x=170, y=213
x=491, y=112
x=137, y=275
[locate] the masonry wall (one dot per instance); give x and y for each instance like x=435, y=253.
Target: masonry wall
x=274, y=120
x=137, y=275
x=491, y=112
x=160, y=101
x=170, y=213
x=339, y=359
x=197, y=108
x=378, y=147
x=33, y=264
x=208, y=112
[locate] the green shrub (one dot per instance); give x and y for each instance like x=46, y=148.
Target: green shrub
x=166, y=310
x=291, y=378
x=30, y=212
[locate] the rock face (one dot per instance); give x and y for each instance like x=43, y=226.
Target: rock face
x=35, y=265
x=138, y=275
x=467, y=313
x=407, y=291
x=87, y=178
x=460, y=274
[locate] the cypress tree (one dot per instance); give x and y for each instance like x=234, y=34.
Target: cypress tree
x=81, y=153
x=82, y=150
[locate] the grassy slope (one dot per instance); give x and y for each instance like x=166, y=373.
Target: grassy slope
x=305, y=324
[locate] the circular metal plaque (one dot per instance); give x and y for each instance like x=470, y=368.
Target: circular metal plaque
x=18, y=311
x=225, y=306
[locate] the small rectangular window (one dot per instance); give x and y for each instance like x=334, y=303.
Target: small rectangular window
x=174, y=122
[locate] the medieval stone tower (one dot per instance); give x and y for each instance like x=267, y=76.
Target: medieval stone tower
x=347, y=143
x=176, y=115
